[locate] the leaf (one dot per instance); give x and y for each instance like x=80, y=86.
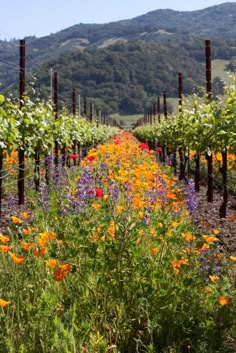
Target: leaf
x=2, y=99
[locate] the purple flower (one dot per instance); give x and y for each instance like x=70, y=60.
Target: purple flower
x=191, y=197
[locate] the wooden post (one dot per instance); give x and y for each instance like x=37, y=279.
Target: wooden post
x=74, y=102
x=74, y=114
x=1, y=175
x=21, y=152
x=55, y=109
x=224, y=170
x=180, y=89
x=85, y=107
x=208, y=68
x=91, y=112
x=158, y=109
x=165, y=104
x=209, y=156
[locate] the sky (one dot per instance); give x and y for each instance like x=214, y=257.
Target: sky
x=22, y=18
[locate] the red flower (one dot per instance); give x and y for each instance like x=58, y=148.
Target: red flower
x=91, y=158
x=143, y=146
x=99, y=193
x=159, y=149
x=73, y=156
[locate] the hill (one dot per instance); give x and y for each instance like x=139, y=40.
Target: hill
x=178, y=35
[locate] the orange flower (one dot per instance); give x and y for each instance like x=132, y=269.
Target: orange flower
x=203, y=248
x=28, y=231
x=154, y=251
x=216, y=231
x=188, y=237
x=16, y=220
x=40, y=252
x=5, y=248
x=65, y=267
x=4, y=239
x=119, y=209
x=25, y=215
x=52, y=236
x=96, y=206
x=44, y=238
x=26, y=246
x=209, y=239
x=60, y=242
x=223, y=301
x=17, y=259
x=4, y=303
x=178, y=263
x=51, y=263
x=59, y=275
x=214, y=279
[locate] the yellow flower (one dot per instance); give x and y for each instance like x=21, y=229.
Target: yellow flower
x=16, y=220
x=140, y=215
x=216, y=231
x=96, y=206
x=188, y=237
x=223, y=301
x=119, y=209
x=233, y=258
x=51, y=263
x=214, y=279
x=44, y=238
x=4, y=303
x=4, y=239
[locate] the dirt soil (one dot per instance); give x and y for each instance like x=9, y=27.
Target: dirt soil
x=208, y=219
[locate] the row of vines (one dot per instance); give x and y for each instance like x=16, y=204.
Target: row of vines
x=34, y=133
x=201, y=130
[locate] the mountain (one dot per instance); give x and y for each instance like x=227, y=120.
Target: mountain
x=171, y=29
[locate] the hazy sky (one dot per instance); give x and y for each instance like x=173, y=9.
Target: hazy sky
x=20, y=18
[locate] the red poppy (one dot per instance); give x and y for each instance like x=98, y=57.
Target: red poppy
x=73, y=156
x=91, y=158
x=99, y=193
x=143, y=146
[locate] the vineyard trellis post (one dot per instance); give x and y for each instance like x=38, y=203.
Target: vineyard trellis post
x=55, y=109
x=181, y=153
x=74, y=114
x=209, y=155
x=158, y=110
x=165, y=104
x=21, y=152
x=1, y=176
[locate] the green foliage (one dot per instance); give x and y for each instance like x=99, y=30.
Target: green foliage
x=200, y=124
x=34, y=126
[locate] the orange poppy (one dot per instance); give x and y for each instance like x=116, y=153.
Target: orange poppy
x=4, y=239
x=16, y=220
x=4, y=303
x=26, y=246
x=5, y=248
x=223, y=300
x=17, y=259
x=51, y=263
